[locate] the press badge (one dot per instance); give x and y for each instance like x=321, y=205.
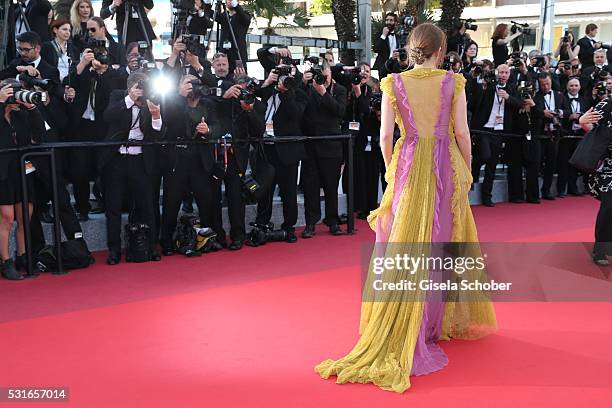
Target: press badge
x=47, y=127
x=29, y=167
x=134, y=12
x=227, y=45
x=270, y=128
x=499, y=122
x=528, y=135
x=353, y=125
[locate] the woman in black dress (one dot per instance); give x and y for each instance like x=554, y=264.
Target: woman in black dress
x=600, y=184
x=469, y=56
x=567, y=49
x=59, y=52
x=499, y=44
x=21, y=124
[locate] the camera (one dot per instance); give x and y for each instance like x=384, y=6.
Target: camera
x=317, y=75
x=522, y=27
x=247, y=94
x=565, y=37
x=314, y=60
x=30, y=82
x=448, y=63
x=599, y=74
x=98, y=47
x=199, y=90
x=606, y=46
x=285, y=75
x=193, y=42
x=144, y=64
x=289, y=61
x=354, y=74
x=403, y=54
x=460, y=23
x=490, y=78
x=150, y=91
x=525, y=90
x=376, y=101
x=539, y=61
x=262, y=233
x=406, y=23
x=26, y=96
x=602, y=88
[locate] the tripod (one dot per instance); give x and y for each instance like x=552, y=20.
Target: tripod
x=128, y=7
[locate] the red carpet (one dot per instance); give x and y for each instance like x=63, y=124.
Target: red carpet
x=245, y=329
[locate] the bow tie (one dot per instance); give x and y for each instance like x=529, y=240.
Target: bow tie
x=548, y=93
x=574, y=99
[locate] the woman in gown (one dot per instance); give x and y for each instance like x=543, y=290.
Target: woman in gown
x=426, y=201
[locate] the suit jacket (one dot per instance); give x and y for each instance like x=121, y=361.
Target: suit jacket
x=586, y=52
x=119, y=119
x=46, y=72
x=587, y=82
x=37, y=13
x=49, y=54
x=26, y=126
x=324, y=116
x=567, y=124
x=560, y=103
x=482, y=102
x=383, y=51
x=287, y=120
x=133, y=31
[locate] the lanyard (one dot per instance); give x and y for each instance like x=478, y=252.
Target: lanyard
x=547, y=99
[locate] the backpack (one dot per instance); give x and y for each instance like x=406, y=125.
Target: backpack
x=138, y=242
x=75, y=255
x=191, y=239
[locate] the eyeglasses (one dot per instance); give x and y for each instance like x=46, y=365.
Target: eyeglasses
x=575, y=67
x=24, y=49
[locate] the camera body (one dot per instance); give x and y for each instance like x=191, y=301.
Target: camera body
x=490, y=78
x=522, y=27
x=448, y=63
x=26, y=96
x=289, y=61
x=468, y=24
x=565, y=38
x=98, y=47
x=355, y=75
x=199, y=90
x=247, y=94
x=30, y=82
x=314, y=60
x=262, y=233
x=285, y=75
x=317, y=75
x=526, y=90
x=193, y=42
x=602, y=88
x=540, y=61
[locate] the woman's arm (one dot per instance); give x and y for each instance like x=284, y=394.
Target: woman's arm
x=462, y=130
x=573, y=53
x=504, y=41
x=558, y=50
x=387, y=125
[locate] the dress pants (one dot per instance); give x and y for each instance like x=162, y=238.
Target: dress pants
x=522, y=153
x=83, y=166
x=367, y=175
x=320, y=172
x=285, y=176
x=549, y=148
x=122, y=174
x=488, y=149
x=235, y=201
x=188, y=175
x=567, y=174
x=43, y=185
x=603, y=225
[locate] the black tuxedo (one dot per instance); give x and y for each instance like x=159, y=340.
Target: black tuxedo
x=588, y=79
x=567, y=174
x=37, y=13
x=586, y=52
x=134, y=32
x=383, y=51
x=125, y=174
x=549, y=145
x=240, y=22
x=49, y=54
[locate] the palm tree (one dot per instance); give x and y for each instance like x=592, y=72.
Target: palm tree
x=344, y=19
x=269, y=9
x=61, y=8
x=451, y=12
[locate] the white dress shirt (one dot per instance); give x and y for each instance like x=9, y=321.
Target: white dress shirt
x=135, y=132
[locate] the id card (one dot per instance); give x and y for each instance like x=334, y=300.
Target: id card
x=227, y=45
x=270, y=128
x=134, y=12
x=353, y=125
x=29, y=167
x=499, y=122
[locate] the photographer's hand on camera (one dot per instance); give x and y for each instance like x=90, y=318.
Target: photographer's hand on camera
x=320, y=89
x=136, y=93
x=33, y=72
x=271, y=80
x=5, y=93
x=115, y=5
x=154, y=110
x=86, y=59
x=232, y=92
x=307, y=77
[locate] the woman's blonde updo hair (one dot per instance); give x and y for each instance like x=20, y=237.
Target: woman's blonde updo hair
x=425, y=40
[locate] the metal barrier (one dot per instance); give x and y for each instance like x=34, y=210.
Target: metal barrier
x=50, y=148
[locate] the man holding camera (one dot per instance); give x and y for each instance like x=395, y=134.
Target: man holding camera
x=35, y=17
x=131, y=29
x=323, y=116
x=130, y=116
x=553, y=109
x=599, y=71
x=493, y=105
x=240, y=20
x=99, y=44
x=588, y=45
x=386, y=42
x=285, y=107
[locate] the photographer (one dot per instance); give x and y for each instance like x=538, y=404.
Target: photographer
x=553, y=109
x=567, y=70
x=137, y=10
x=599, y=71
x=493, y=105
x=500, y=40
x=567, y=50
x=92, y=83
x=386, y=42
x=130, y=116
x=469, y=56
x=524, y=152
x=21, y=125
x=37, y=16
x=588, y=45
x=190, y=167
x=199, y=19
x=186, y=58
x=458, y=40
x=568, y=175
x=99, y=43
x=270, y=57
x=323, y=116
x=600, y=183
x=240, y=20
x=285, y=105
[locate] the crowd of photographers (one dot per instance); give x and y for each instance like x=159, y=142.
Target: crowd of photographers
x=98, y=90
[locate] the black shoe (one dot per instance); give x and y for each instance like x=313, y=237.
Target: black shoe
x=335, y=230
x=517, y=201
x=291, y=238
x=600, y=259
x=343, y=219
x=21, y=264
x=167, y=251
x=575, y=193
x=83, y=217
x=309, y=231
x=114, y=258
x=362, y=215
x=537, y=201
x=155, y=256
x=548, y=197
x=235, y=245
x=562, y=195
x=9, y=271
x=488, y=203
x=98, y=210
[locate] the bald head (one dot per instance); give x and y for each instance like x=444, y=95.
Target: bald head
x=503, y=73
